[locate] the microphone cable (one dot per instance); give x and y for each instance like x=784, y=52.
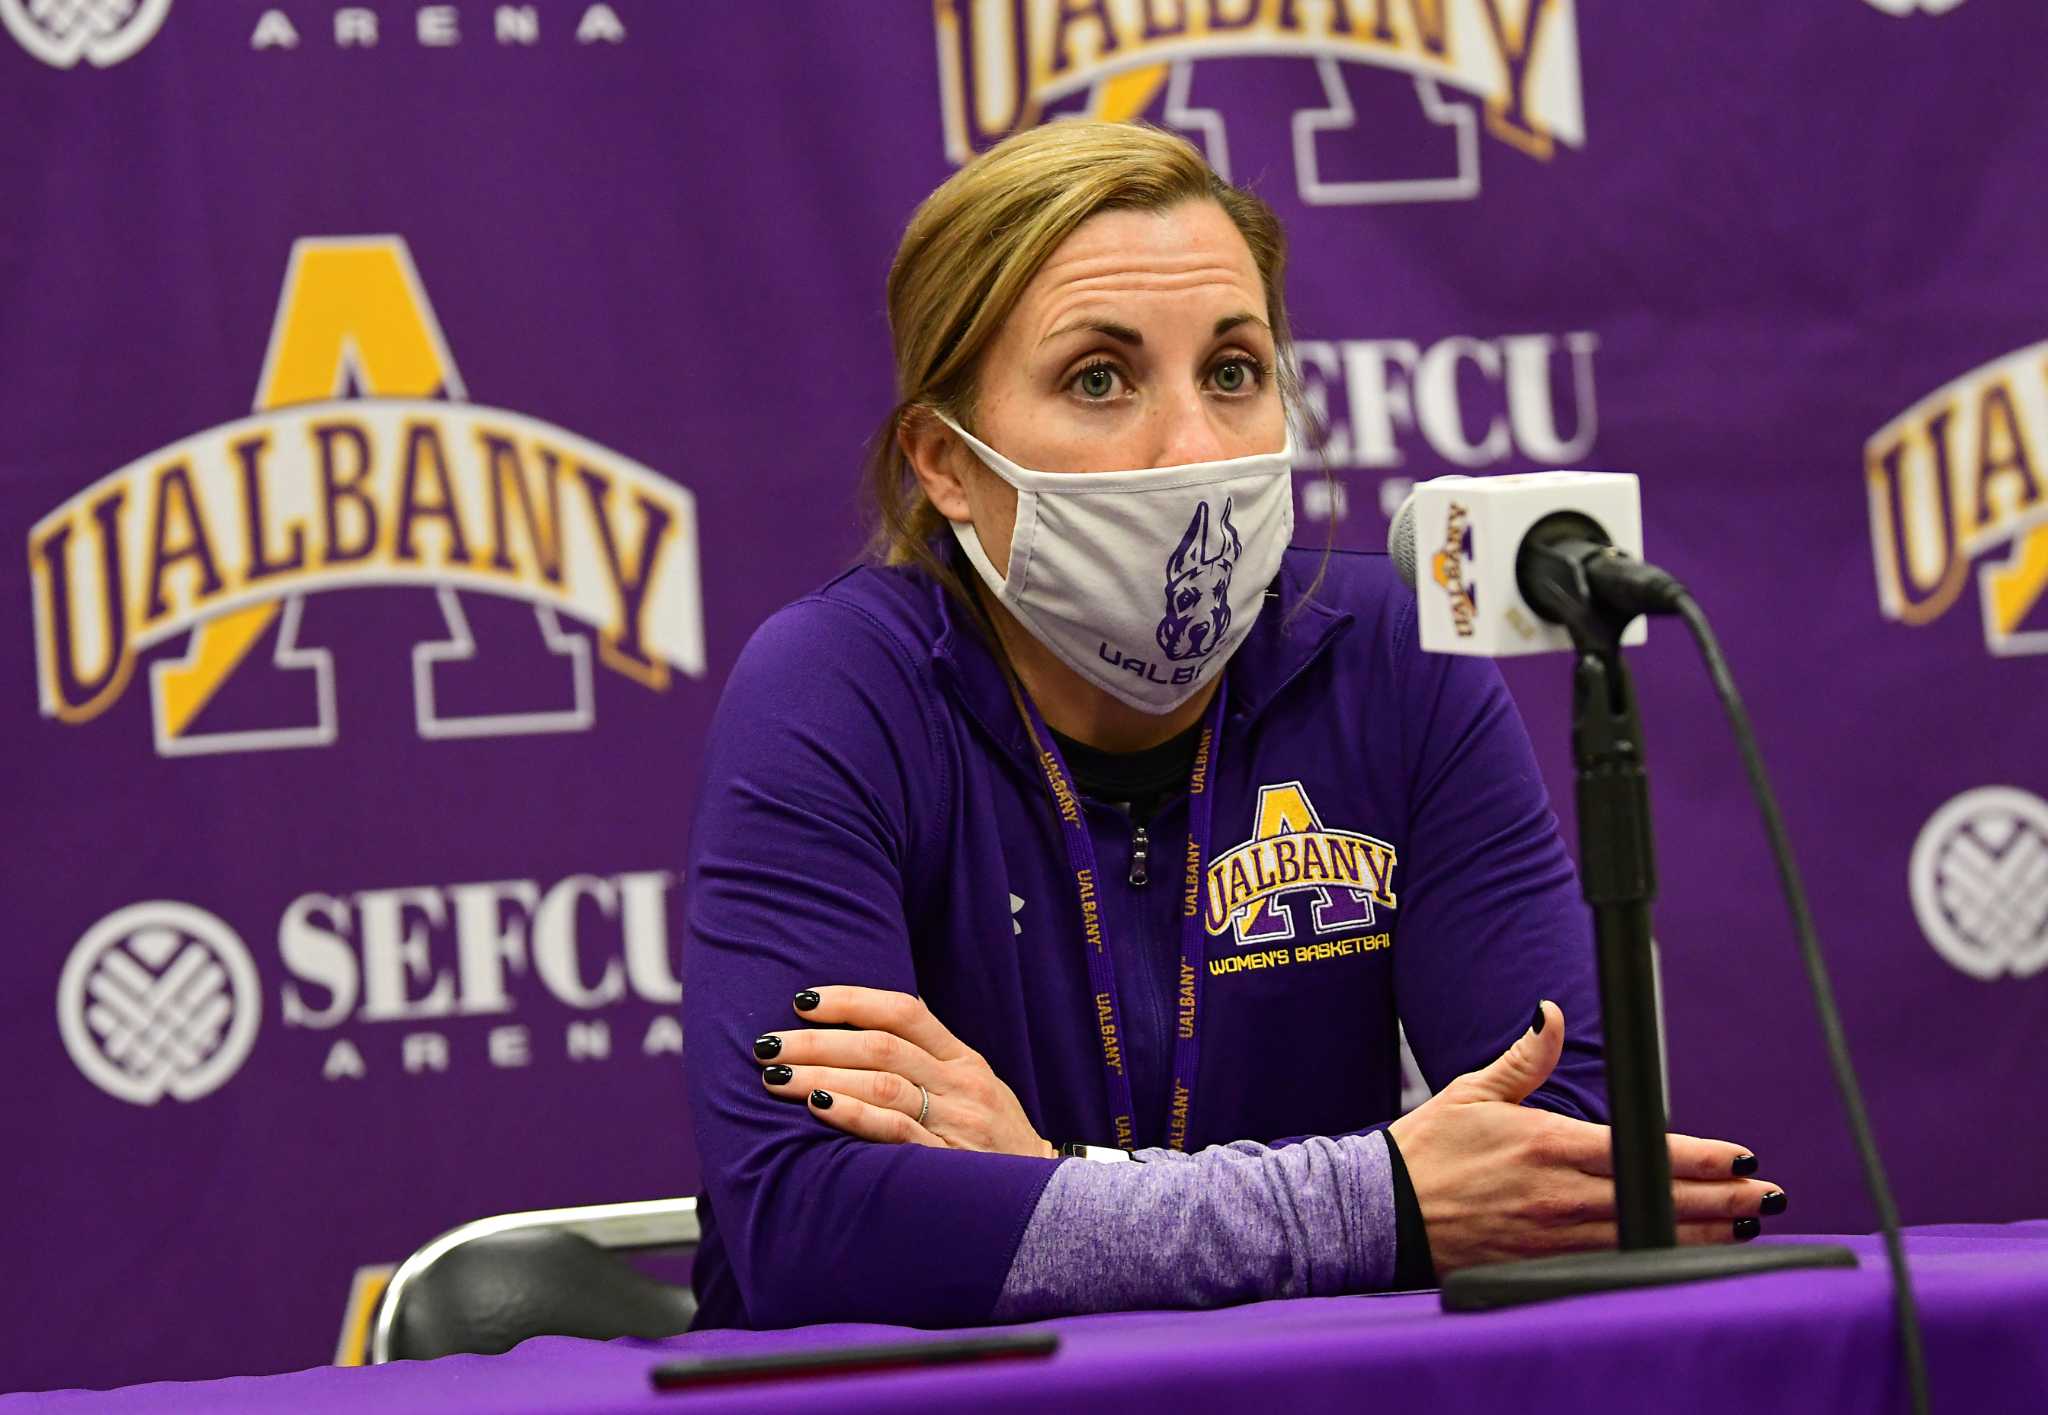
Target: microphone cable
x=1688, y=609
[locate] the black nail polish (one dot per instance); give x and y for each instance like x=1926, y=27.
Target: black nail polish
x=1537, y=1025
x=777, y=1075
x=1747, y=1228
x=806, y=1000
x=768, y=1047
x=1774, y=1203
x=1744, y=1165
x=823, y=1101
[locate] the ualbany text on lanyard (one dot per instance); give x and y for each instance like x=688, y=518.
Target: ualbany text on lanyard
x=1193, y=938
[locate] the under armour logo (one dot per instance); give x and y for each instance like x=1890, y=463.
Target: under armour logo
x=158, y=999
x=1016, y=908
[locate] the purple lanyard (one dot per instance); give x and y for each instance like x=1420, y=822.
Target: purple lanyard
x=1193, y=938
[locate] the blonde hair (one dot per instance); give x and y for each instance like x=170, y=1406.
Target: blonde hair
x=974, y=244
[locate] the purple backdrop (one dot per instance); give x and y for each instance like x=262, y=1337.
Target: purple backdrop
x=412, y=408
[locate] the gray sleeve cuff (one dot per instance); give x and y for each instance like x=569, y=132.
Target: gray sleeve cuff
x=1232, y=1223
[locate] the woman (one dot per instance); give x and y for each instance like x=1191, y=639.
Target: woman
x=1097, y=817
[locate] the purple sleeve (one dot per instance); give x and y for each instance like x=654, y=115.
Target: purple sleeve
x=1492, y=918
x=1233, y=1223
x=823, y=775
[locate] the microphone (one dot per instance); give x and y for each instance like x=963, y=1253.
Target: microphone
x=1515, y=562
x=1552, y=560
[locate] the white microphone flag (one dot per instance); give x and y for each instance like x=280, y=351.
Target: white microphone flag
x=1468, y=531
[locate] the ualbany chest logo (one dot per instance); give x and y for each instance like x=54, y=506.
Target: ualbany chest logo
x=1341, y=875
x=364, y=465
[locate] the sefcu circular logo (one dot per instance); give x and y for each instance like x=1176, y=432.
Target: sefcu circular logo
x=159, y=999
x=1980, y=882
x=102, y=32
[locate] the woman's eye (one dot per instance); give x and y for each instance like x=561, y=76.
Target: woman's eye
x=1098, y=381
x=1235, y=375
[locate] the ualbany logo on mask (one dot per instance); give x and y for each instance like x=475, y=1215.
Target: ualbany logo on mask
x=1198, y=586
x=1006, y=67
x=1954, y=480
x=224, y=533
x=1291, y=852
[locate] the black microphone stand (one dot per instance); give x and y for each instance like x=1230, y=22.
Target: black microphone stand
x=1618, y=875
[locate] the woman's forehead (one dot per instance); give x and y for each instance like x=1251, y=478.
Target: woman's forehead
x=1181, y=259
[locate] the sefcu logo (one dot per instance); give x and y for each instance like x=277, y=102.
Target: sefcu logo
x=1003, y=68
x=1979, y=880
x=1448, y=568
x=101, y=32
x=1956, y=479
x=1381, y=401
x=158, y=999
x=164, y=999
x=1292, y=851
x=224, y=534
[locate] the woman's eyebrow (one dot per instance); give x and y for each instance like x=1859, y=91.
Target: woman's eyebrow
x=1122, y=333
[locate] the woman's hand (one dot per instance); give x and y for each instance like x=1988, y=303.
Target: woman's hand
x=863, y=1077
x=1497, y=1180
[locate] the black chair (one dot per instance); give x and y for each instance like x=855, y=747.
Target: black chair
x=487, y=1286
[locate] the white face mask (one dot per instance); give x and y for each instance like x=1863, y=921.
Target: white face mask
x=1143, y=582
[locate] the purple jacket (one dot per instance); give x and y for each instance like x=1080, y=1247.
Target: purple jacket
x=872, y=815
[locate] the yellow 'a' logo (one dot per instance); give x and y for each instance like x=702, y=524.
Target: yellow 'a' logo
x=224, y=533
x=1292, y=850
x=1004, y=68
x=1957, y=477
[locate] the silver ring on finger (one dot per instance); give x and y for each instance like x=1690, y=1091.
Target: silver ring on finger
x=926, y=1108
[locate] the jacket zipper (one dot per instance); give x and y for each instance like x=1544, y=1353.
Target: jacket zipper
x=1140, y=848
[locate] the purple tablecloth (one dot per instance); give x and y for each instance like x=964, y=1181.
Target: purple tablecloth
x=1817, y=1341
